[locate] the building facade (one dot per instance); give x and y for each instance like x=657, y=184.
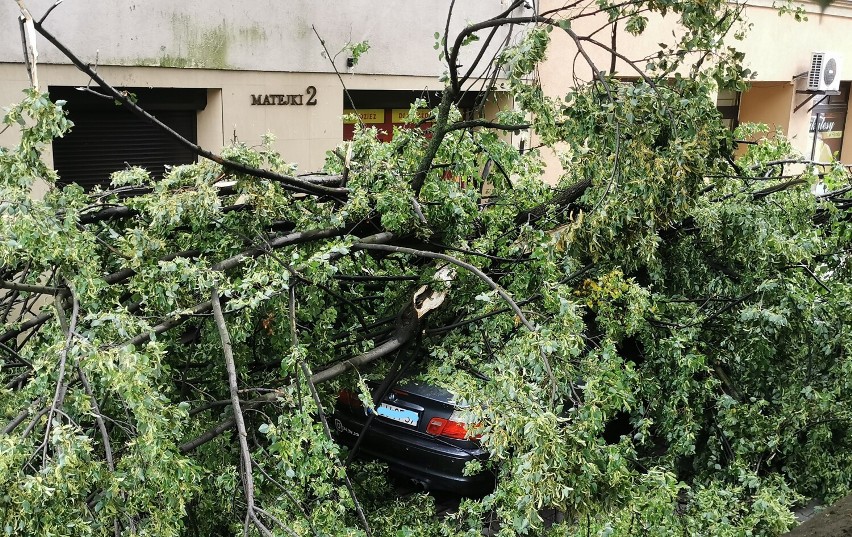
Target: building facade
x=777, y=48
x=219, y=71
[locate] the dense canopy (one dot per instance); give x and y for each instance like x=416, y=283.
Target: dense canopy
x=171, y=348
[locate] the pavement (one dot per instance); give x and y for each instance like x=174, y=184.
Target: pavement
x=835, y=521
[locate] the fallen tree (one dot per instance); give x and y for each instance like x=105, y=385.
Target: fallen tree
x=171, y=348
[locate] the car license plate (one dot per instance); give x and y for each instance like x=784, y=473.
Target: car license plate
x=391, y=412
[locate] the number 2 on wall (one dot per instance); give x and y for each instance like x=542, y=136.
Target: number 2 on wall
x=312, y=96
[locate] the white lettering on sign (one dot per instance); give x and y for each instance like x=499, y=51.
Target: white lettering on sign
x=824, y=125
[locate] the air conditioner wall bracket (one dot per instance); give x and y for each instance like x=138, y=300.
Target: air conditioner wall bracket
x=811, y=94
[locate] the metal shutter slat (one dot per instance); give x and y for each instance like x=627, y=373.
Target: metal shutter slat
x=101, y=142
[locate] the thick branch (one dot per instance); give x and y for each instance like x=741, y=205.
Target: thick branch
x=386, y=348
x=461, y=125
x=760, y=194
x=40, y=289
x=106, y=214
x=561, y=200
x=298, y=237
x=439, y=130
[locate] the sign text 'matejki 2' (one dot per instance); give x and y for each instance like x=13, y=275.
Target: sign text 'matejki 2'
x=291, y=99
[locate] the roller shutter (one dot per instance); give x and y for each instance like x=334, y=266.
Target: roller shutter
x=106, y=138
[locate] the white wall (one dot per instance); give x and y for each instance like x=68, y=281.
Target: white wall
x=262, y=35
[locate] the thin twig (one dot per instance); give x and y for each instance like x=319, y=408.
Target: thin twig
x=233, y=387
x=811, y=274
x=49, y=11
x=339, y=77
x=278, y=522
x=290, y=496
x=61, y=387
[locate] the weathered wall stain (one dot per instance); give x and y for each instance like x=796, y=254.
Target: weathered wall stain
x=265, y=35
x=198, y=45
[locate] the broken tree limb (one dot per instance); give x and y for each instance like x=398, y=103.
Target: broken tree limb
x=408, y=325
x=242, y=435
x=450, y=259
x=561, y=200
x=28, y=41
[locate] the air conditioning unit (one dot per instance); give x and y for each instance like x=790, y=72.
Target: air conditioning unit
x=824, y=74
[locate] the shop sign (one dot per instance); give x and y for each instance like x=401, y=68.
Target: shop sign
x=400, y=115
x=367, y=115
x=828, y=127
x=308, y=98
x=825, y=124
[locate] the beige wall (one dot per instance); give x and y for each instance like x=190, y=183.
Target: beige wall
x=774, y=103
x=768, y=102
x=777, y=49
x=303, y=133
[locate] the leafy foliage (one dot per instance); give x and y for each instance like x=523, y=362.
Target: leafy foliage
x=701, y=303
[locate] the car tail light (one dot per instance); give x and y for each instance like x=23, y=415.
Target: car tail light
x=448, y=428
x=348, y=398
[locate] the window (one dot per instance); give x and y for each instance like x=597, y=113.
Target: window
x=728, y=105
x=384, y=119
x=389, y=108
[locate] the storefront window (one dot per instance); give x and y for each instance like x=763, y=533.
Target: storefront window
x=388, y=109
x=383, y=119
x=828, y=119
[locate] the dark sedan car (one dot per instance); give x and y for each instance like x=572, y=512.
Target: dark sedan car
x=418, y=431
